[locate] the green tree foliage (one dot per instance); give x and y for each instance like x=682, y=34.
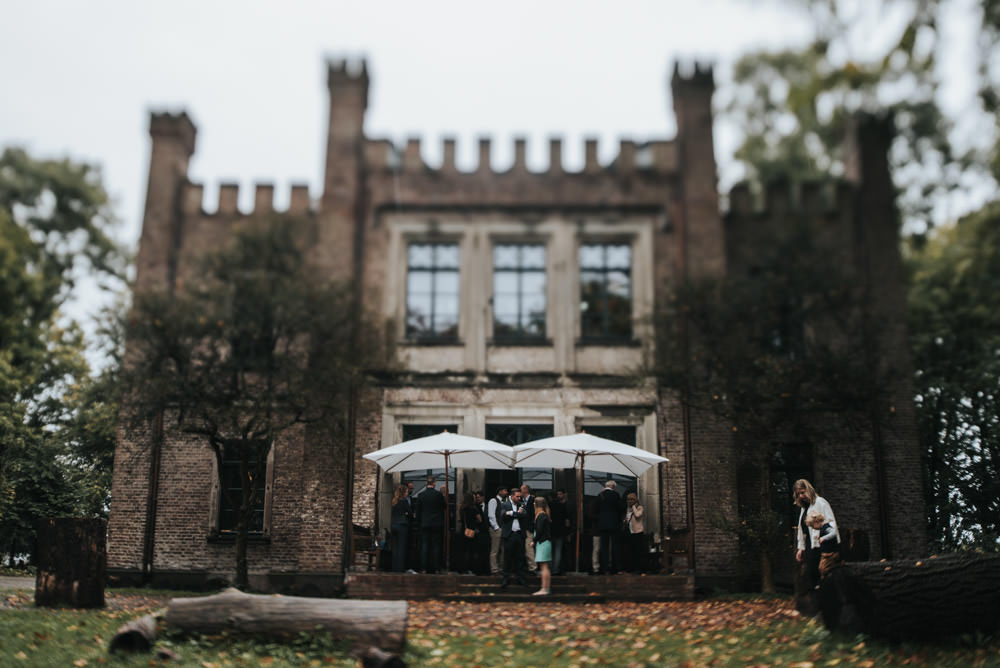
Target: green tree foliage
x=794, y=107
x=955, y=332
x=54, y=225
x=773, y=351
x=258, y=346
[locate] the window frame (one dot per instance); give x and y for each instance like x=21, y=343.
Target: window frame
x=430, y=335
x=519, y=336
x=606, y=336
x=217, y=498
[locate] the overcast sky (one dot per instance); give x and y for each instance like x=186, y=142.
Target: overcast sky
x=79, y=78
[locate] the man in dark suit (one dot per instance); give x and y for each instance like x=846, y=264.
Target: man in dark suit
x=610, y=511
x=513, y=515
x=559, y=514
x=430, y=517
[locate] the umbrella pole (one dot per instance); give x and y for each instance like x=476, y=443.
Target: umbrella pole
x=579, y=514
x=447, y=523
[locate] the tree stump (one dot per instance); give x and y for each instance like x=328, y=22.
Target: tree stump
x=72, y=560
x=914, y=599
x=377, y=623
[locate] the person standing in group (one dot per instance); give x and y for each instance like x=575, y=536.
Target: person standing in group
x=559, y=514
x=400, y=528
x=512, y=514
x=807, y=539
x=430, y=516
x=481, y=565
x=610, y=511
x=635, y=534
x=413, y=542
x=470, y=516
x=493, y=517
x=529, y=530
x=543, y=545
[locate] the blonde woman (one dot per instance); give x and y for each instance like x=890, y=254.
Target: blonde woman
x=543, y=545
x=635, y=528
x=807, y=539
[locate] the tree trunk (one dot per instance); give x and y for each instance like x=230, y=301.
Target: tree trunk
x=71, y=560
x=766, y=572
x=914, y=599
x=378, y=623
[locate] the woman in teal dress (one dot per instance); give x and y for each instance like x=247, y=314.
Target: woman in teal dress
x=543, y=545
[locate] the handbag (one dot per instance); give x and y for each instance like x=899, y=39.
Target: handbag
x=470, y=533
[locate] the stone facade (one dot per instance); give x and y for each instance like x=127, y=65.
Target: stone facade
x=658, y=200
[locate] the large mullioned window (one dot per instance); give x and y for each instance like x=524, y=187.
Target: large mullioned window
x=605, y=291
x=432, y=291
x=518, y=291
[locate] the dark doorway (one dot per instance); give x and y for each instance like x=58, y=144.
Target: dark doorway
x=790, y=462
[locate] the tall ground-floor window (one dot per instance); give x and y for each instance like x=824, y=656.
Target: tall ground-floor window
x=231, y=491
x=419, y=476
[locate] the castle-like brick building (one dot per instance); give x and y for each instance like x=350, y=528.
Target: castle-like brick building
x=522, y=304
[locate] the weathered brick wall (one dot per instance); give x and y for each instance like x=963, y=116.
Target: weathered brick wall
x=366, y=474
x=671, y=183
x=129, y=493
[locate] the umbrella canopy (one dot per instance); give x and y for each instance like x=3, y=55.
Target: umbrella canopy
x=583, y=451
x=448, y=450
x=463, y=452
x=586, y=452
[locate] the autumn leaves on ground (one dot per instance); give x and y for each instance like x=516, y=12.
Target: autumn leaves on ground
x=714, y=632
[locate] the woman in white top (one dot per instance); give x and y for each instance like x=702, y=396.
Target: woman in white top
x=807, y=538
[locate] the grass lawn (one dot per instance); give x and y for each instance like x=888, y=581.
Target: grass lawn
x=717, y=632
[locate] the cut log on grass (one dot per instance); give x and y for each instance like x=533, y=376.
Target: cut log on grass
x=373, y=657
x=136, y=636
x=914, y=599
x=377, y=623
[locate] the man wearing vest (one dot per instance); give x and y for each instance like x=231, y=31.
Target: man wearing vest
x=493, y=516
x=513, y=514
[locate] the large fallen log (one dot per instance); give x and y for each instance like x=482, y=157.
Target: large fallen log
x=378, y=623
x=914, y=599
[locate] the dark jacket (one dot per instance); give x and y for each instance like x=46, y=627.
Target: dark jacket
x=470, y=518
x=559, y=512
x=430, y=508
x=543, y=528
x=529, y=511
x=507, y=519
x=610, y=510
x=401, y=514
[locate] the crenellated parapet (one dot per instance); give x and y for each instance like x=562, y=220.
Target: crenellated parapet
x=656, y=157
x=176, y=127
x=341, y=71
x=299, y=203
x=784, y=198
x=695, y=75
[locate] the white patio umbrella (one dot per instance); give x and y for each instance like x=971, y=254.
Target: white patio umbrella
x=584, y=451
x=452, y=450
